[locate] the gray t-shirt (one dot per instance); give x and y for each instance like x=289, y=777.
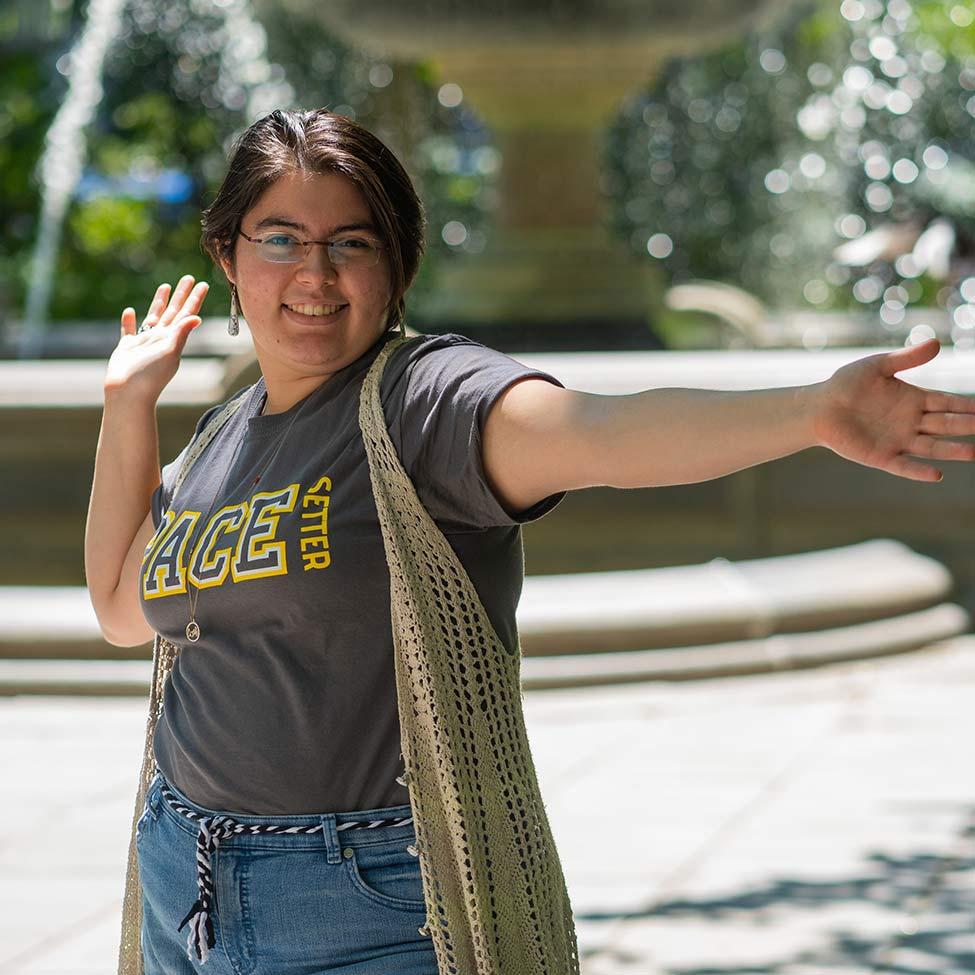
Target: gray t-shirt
x=287, y=703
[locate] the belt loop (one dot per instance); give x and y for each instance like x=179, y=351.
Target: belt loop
x=332, y=846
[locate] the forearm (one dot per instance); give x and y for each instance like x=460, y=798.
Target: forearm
x=126, y=474
x=681, y=436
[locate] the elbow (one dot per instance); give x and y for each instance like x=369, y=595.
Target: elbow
x=119, y=638
x=117, y=629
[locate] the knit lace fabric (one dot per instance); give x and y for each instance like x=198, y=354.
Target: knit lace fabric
x=496, y=898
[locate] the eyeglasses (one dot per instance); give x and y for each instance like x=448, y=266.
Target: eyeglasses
x=351, y=250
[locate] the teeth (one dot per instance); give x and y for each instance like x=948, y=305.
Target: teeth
x=315, y=309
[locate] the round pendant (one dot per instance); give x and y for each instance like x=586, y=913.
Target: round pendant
x=192, y=631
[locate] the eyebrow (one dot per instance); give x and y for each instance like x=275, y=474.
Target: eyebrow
x=278, y=221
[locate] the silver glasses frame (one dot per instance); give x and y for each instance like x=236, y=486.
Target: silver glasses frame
x=327, y=244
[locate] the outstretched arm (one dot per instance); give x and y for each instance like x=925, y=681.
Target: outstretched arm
x=539, y=438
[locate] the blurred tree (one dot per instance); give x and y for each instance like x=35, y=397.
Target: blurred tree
x=756, y=163
x=181, y=81
x=841, y=124
x=25, y=115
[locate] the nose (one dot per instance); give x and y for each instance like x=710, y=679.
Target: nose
x=316, y=265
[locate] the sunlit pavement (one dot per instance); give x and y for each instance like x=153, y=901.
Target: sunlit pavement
x=807, y=822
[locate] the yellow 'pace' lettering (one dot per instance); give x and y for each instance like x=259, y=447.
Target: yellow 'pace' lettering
x=209, y=568
x=257, y=555
x=166, y=574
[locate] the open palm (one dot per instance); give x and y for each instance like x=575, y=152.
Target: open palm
x=148, y=356
x=875, y=419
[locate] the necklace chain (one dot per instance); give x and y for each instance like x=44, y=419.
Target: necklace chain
x=192, y=627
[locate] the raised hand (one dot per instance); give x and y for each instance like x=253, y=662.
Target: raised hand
x=869, y=416
x=145, y=360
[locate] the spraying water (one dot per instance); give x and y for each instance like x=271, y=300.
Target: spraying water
x=247, y=81
x=63, y=157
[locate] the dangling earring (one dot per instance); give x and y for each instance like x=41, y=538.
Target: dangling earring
x=402, y=328
x=233, y=326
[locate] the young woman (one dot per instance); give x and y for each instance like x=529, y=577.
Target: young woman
x=278, y=739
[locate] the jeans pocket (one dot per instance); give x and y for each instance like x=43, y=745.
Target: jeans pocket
x=387, y=874
x=150, y=809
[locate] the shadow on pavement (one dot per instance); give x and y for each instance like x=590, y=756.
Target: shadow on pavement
x=934, y=893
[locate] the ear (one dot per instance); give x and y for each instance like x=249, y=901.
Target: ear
x=228, y=269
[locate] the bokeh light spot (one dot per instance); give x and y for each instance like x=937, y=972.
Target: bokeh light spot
x=919, y=334
x=450, y=95
x=961, y=16
x=935, y=157
x=380, y=75
x=812, y=165
x=772, y=61
x=777, y=181
x=660, y=246
x=454, y=233
x=905, y=171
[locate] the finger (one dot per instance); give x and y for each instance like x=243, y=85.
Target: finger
x=902, y=466
x=128, y=321
x=183, y=288
x=948, y=424
x=194, y=300
x=157, y=305
x=942, y=449
x=938, y=402
x=909, y=357
x=186, y=326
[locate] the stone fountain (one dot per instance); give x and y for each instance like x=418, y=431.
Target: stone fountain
x=547, y=77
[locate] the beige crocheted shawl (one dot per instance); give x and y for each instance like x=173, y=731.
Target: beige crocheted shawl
x=496, y=898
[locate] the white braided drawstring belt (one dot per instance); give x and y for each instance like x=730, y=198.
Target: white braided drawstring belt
x=200, y=938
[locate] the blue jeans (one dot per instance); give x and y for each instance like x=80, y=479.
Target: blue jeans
x=346, y=902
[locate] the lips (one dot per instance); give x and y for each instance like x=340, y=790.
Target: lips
x=315, y=307
x=301, y=319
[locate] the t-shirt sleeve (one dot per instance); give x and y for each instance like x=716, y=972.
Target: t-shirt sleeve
x=448, y=395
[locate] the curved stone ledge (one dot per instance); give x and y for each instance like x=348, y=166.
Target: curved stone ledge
x=685, y=622
x=119, y=678
x=723, y=601
x=784, y=651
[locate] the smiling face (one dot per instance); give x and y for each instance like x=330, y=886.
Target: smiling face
x=297, y=353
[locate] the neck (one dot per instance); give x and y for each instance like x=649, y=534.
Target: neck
x=284, y=388
x=277, y=400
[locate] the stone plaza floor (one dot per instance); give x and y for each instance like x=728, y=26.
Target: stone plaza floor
x=816, y=822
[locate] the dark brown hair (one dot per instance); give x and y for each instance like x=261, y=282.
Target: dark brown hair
x=320, y=142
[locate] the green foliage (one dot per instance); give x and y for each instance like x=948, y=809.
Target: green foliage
x=935, y=22
x=690, y=158
x=749, y=158
x=26, y=112
x=110, y=227
x=173, y=101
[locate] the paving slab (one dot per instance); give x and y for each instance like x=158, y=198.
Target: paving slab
x=817, y=821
